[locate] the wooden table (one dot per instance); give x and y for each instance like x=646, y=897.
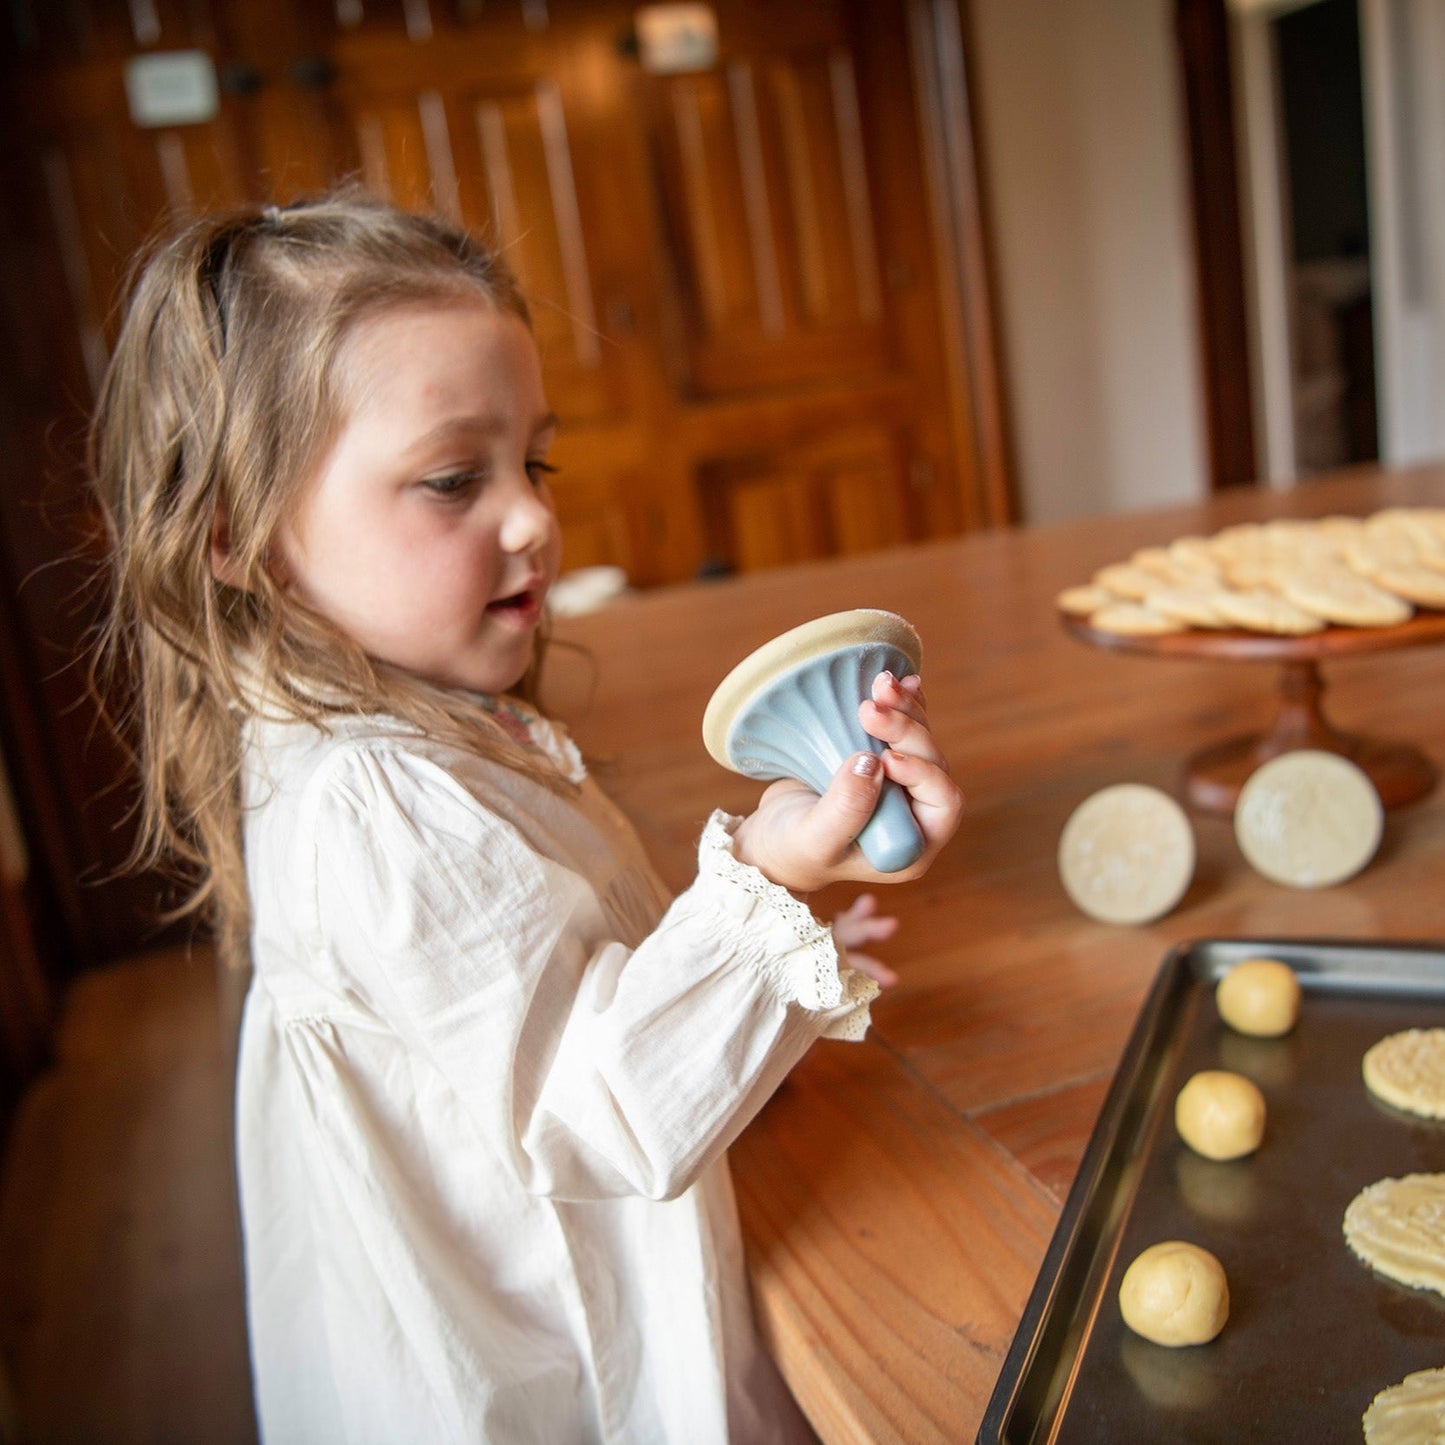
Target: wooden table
x=898, y=1195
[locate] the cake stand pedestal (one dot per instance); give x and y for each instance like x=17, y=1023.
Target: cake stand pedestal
x=1213, y=776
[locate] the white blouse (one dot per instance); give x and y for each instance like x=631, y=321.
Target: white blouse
x=487, y=1077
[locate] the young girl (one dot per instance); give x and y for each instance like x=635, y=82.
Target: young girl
x=488, y=1071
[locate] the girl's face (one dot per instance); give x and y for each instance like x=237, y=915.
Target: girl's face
x=427, y=534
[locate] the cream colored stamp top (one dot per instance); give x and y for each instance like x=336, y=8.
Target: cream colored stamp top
x=788, y=650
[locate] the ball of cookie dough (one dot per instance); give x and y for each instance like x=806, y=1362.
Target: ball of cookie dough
x=1259, y=996
x=1220, y=1115
x=1175, y=1294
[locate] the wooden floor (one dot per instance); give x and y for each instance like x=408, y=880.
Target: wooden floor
x=121, y=1315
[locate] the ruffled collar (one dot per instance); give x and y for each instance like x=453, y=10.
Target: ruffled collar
x=517, y=720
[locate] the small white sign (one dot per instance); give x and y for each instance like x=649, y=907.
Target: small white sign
x=674, y=39
x=176, y=87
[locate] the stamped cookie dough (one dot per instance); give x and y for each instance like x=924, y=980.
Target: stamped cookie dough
x=1410, y=1413
x=1309, y=819
x=1126, y=854
x=1397, y=1227
x=1408, y=1070
x=1220, y=1114
x=1175, y=1293
x=1260, y=997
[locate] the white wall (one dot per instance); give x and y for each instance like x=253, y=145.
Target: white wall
x=1404, y=57
x=1082, y=125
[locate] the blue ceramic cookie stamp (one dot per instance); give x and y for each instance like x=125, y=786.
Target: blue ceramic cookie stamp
x=790, y=710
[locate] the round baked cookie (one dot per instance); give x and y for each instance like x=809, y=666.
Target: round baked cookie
x=1126, y=854
x=1195, y=555
x=1240, y=540
x=1410, y=1413
x=1155, y=560
x=1337, y=594
x=1394, y=1226
x=1083, y=600
x=1125, y=580
x=1134, y=619
x=1259, y=610
x=1308, y=819
x=1340, y=529
x=1407, y=1070
x=1415, y=582
x=1175, y=1293
x=1259, y=997
x=1380, y=546
x=1190, y=604
x=1249, y=574
x=1408, y=529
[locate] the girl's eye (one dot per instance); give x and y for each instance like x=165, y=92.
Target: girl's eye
x=453, y=483
x=539, y=471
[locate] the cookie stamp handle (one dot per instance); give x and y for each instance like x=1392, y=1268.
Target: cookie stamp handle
x=804, y=725
x=891, y=839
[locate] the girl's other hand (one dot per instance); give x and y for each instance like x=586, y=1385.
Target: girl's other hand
x=803, y=842
x=860, y=923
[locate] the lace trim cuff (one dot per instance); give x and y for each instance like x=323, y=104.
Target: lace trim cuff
x=811, y=972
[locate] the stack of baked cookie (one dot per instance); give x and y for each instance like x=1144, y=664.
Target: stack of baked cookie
x=1289, y=577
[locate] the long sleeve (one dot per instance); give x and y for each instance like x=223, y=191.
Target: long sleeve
x=599, y=1067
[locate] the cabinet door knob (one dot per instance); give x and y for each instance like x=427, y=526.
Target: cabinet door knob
x=312, y=72
x=240, y=78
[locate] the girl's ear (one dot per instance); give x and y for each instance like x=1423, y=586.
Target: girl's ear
x=223, y=562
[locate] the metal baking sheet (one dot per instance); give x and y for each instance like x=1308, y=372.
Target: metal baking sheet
x=1313, y=1335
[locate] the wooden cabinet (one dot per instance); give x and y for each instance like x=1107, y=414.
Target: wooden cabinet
x=757, y=287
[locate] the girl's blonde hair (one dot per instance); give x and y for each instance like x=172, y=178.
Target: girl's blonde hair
x=221, y=398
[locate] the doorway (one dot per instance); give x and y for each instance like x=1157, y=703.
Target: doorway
x=1327, y=236
x=1308, y=97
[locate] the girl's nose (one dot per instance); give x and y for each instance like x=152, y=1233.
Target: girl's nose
x=529, y=521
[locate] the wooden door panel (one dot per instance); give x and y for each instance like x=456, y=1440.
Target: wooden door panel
x=843, y=491
x=766, y=188
x=524, y=156
x=496, y=157
x=835, y=259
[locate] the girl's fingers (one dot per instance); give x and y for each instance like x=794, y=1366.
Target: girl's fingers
x=936, y=799
x=865, y=905
x=855, y=928
x=833, y=822
x=904, y=694
x=899, y=729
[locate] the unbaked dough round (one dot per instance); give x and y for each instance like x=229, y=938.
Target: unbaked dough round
x=1309, y=819
x=1410, y=1413
x=1259, y=996
x=1220, y=1115
x=1397, y=1226
x=1408, y=1070
x=1126, y=854
x=1175, y=1293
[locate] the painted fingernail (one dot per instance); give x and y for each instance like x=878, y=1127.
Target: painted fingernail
x=866, y=765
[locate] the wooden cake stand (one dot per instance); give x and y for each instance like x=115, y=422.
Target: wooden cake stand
x=1213, y=776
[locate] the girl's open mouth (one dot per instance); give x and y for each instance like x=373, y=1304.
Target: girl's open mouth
x=522, y=607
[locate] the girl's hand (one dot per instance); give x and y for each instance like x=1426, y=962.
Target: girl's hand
x=859, y=923
x=803, y=842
